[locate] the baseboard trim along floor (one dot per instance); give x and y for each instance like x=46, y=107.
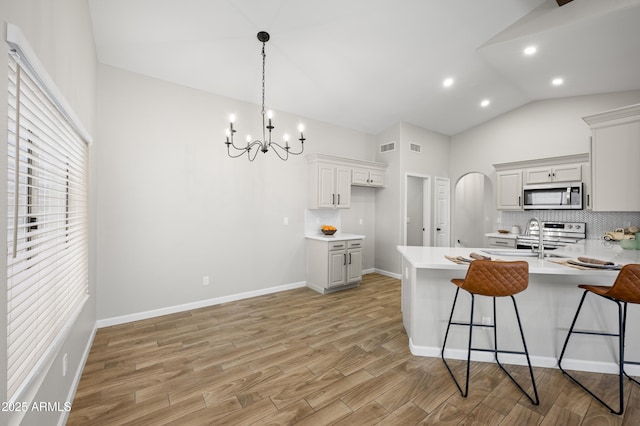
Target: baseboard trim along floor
x=107, y=322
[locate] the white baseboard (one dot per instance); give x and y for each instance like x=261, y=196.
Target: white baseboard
x=106, y=322
x=388, y=274
x=536, y=361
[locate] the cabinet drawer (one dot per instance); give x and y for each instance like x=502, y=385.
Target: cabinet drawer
x=355, y=243
x=502, y=242
x=337, y=245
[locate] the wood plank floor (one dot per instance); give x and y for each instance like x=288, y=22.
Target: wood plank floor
x=297, y=357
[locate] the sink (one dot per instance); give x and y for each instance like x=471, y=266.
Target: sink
x=519, y=253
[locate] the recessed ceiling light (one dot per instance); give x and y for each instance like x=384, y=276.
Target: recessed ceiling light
x=485, y=103
x=530, y=50
x=448, y=82
x=557, y=81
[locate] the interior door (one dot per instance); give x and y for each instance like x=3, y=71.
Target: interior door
x=442, y=209
x=426, y=212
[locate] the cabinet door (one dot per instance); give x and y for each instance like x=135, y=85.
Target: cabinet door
x=343, y=187
x=326, y=186
x=538, y=175
x=337, y=268
x=615, y=171
x=354, y=266
x=509, y=195
x=376, y=178
x=360, y=177
x=567, y=173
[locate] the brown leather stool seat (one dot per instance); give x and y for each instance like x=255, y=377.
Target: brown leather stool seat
x=492, y=279
x=625, y=289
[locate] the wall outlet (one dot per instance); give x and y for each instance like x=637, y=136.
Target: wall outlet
x=286, y=221
x=205, y=280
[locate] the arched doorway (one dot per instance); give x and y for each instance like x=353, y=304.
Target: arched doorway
x=473, y=209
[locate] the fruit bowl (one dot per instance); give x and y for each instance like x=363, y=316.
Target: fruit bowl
x=328, y=229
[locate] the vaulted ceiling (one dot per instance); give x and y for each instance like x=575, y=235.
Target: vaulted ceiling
x=367, y=64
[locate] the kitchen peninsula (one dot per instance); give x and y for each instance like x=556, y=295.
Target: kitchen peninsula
x=546, y=307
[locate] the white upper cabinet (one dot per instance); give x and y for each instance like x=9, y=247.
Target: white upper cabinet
x=615, y=159
x=330, y=179
x=333, y=187
x=559, y=173
x=367, y=177
x=509, y=194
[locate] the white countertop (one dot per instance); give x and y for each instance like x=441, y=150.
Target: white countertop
x=338, y=236
x=434, y=257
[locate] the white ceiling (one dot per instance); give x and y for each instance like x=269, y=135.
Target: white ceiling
x=367, y=64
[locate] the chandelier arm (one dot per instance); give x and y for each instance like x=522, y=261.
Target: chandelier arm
x=286, y=157
x=242, y=152
x=287, y=149
x=255, y=154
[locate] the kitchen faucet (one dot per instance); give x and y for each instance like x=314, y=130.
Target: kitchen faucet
x=540, y=236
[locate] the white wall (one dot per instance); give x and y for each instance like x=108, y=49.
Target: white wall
x=540, y=129
x=174, y=208
x=61, y=35
x=433, y=161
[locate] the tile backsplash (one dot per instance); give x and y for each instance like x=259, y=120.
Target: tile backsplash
x=597, y=222
x=315, y=218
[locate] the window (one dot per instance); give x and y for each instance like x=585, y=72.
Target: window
x=47, y=227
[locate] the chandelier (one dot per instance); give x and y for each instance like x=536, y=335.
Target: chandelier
x=263, y=145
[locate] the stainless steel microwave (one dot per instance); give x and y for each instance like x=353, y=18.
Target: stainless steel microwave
x=553, y=196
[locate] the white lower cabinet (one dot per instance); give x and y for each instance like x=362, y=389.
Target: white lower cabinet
x=333, y=265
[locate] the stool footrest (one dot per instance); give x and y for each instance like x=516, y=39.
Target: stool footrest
x=499, y=351
x=595, y=333
x=474, y=324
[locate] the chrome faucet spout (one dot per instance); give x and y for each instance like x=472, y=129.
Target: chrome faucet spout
x=540, y=237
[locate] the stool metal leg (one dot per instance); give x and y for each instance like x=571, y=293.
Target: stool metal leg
x=444, y=344
x=470, y=324
x=624, y=334
x=535, y=400
x=622, y=316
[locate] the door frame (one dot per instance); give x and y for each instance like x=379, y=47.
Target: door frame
x=426, y=206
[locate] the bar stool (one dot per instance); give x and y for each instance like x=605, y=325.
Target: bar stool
x=493, y=279
x=625, y=289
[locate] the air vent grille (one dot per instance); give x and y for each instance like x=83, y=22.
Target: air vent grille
x=415, y=147
x=387, y=147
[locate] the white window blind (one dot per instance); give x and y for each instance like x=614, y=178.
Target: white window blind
x=47, y=243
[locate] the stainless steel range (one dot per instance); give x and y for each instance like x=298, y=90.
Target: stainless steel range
x=554, y=234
